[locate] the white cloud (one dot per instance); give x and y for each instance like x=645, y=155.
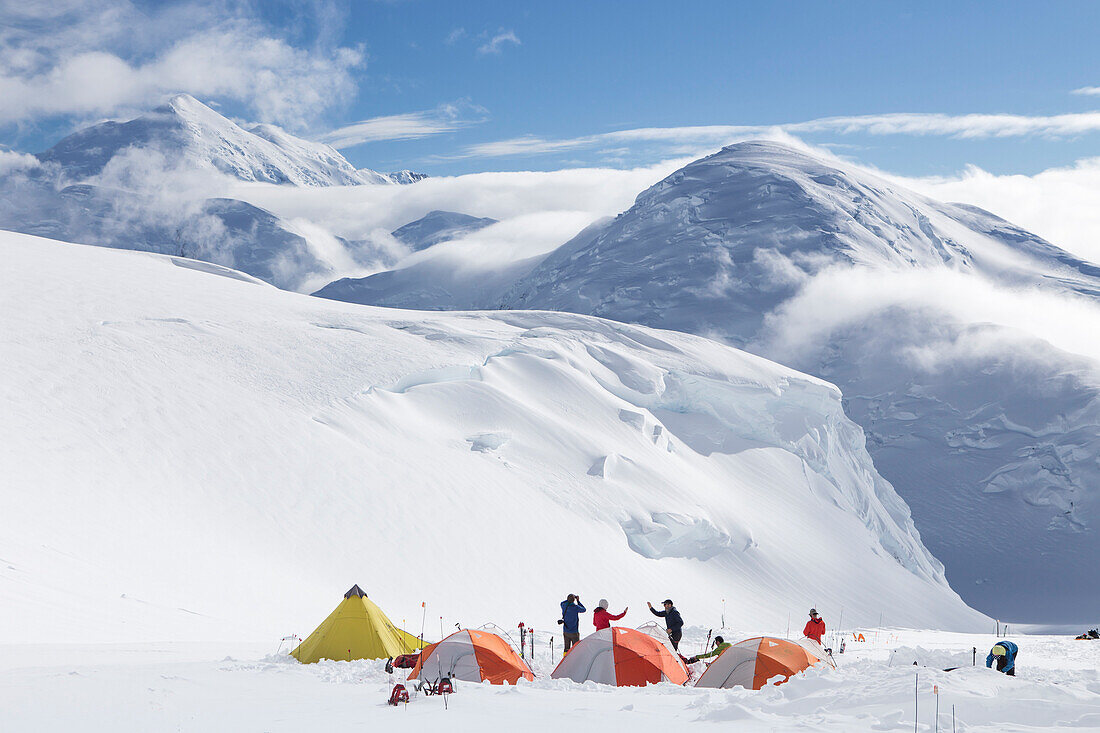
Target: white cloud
x=515, y=238
x=495, y=44
x=970, y=126
x=527, y=145
x=455, y=36
x=537, y=211
x=87, y=58
x=841, y=296
x=960, y=126
x=11, y=162
x=1088, y=91
x=407, y=126
x=1059, y=204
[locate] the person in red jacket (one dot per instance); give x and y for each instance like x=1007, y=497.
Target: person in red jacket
x=602, y=618
x=815, y=627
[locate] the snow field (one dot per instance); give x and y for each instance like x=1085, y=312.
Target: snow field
x=199, y=457
x=196, y=687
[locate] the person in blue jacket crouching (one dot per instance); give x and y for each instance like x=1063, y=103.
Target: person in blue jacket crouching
x=1004, y=652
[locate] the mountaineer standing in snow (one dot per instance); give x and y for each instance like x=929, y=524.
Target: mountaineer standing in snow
x=1004, y=652
x=673, y=623
x=815, y=627
x=602, y=618
x=571, y=609
x=720, y=645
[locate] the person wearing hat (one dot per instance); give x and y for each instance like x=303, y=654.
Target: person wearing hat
x=720, y=645
x=815, y=627
x=602, y=618
x=1004, y=652
x=673, y=623
x=570, y=621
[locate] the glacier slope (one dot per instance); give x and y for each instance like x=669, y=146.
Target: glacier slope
x=196, y=455
x=983, y=416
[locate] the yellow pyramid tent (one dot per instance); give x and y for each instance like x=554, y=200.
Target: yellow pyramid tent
x=357, y=629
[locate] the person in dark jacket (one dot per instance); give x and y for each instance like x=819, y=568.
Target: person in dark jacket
x=1004, y=653
x=673, y=623
x=571, y=609
x=602, y=618
x=815, y=627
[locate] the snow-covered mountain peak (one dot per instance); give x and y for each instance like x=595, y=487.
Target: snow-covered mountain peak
x=439, y=226
x=406, y=176
x=189, y=109
x=744, y=228
x=326, y=154
x=827, y=207
x=188, y=133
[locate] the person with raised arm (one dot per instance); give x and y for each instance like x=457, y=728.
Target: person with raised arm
x=571, y=609
x=602, y=618
x=674, y=624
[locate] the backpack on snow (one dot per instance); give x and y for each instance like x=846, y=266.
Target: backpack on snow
x=399, y=695
x=406, y=661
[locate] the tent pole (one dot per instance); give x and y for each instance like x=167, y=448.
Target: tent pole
x=916, y=702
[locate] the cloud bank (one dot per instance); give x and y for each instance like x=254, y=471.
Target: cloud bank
x=1058, y=204
x=842, y=296
x=969, y=126
x=90, y=58
x=537, y=211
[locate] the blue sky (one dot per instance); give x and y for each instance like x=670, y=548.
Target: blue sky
x=457, y=87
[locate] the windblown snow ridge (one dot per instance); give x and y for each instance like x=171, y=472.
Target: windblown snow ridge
x=290, y=442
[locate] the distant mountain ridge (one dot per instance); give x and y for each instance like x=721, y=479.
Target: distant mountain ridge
x=406, y=176
x=141, y=185
x=188, y=132
x=744, y=227
x=431, y=284
x=438, y=226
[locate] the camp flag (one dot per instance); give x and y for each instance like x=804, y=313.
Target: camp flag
x=357, y=629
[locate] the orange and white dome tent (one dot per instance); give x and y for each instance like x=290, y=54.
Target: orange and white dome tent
x=473, y=656
x=752, y=662
x=621, y=657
